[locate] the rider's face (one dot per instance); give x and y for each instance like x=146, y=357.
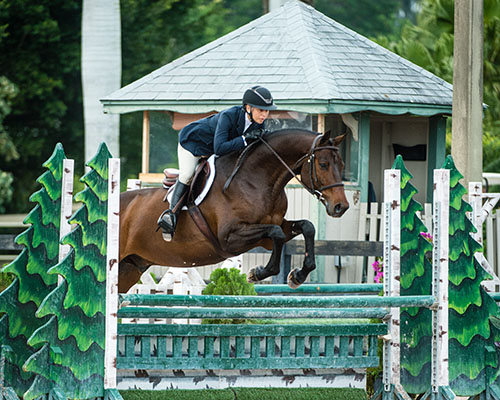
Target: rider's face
x=259, y=115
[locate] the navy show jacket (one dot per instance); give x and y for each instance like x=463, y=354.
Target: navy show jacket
x=219, y=133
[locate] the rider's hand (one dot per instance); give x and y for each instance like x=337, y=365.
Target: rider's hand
x=253, y=134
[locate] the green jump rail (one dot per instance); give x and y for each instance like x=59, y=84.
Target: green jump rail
x=275, y=301
x=252, y=313
x=265, y=289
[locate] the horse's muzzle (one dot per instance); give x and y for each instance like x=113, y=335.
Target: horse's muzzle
x=337, y=209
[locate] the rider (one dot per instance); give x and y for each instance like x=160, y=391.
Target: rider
x=217, y=134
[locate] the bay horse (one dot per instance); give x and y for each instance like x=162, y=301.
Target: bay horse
x=246, y=214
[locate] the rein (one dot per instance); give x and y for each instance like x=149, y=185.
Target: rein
x=318, y=193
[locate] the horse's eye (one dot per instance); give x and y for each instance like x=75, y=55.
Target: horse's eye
x=323, y=165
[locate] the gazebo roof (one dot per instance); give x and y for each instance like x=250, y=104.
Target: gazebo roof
x=307, y=60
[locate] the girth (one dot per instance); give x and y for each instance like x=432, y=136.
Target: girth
x=202, y=224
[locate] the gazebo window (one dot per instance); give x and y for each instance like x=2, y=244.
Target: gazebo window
x=349, y=148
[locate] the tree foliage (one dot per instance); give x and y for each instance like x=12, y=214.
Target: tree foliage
x=429, y=44
x=40, y=42
x=8, y=150
x=367, y=17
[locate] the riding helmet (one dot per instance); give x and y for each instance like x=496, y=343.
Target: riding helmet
x=259, y=97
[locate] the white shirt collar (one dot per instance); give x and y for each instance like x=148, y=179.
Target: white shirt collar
x=247, y=122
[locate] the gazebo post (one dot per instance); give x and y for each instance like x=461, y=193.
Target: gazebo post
x=145, y=143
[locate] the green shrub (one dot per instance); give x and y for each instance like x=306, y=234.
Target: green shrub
x=225, y=281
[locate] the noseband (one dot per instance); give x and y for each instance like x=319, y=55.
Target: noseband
x=310, y=158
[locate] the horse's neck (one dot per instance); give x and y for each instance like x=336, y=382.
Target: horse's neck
x=290, y=148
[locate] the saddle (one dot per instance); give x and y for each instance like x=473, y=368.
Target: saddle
x=196, y=188
x=198, y=182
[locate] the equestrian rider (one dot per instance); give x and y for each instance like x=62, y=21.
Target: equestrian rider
x=217, y=134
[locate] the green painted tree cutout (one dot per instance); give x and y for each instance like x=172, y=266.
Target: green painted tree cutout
x=76, y=308
x=32, y=282
x=416, y=279
x=473, y=355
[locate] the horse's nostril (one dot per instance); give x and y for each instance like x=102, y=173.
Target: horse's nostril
x=338, y=208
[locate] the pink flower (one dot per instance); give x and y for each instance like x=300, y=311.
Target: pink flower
x=427, y=236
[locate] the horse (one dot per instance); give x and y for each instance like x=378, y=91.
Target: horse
x=247, y=213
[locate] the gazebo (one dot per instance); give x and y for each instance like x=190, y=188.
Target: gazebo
x=323, y=76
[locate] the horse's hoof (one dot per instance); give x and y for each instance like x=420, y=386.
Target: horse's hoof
x=252, y=276
x=292, y=282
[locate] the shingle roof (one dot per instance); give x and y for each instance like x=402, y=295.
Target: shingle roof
x=307, y=60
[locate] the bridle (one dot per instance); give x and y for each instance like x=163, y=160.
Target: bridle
x=313, y=175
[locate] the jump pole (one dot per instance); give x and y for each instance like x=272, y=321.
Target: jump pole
x=112, y=257
x=391, y=376
x=440, y=383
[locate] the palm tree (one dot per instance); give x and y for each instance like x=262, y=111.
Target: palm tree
x=101, y=72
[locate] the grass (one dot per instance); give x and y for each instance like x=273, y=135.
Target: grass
x=248, y=394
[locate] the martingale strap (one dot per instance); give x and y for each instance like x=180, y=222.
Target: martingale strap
x=238, y=164
x=204, y=228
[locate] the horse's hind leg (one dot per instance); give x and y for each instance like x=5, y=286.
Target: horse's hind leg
x=297, y=277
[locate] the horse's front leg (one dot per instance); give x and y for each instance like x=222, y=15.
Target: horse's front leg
x=253, y=234
x=297, y=277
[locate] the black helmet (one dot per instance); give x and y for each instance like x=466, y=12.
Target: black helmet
x=259, y=97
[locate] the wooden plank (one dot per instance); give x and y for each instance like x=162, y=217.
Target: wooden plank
x=177, y=346
x=343, y=346
x=67, y=208
x=372, y=288
x=338, y=247
x=146, y=346
x=112, y=256
x=7, y=243
x=358, y=346
x=299, y=346
x=209, y=347
x=239, y=331
x=255, y=347
x=372, y=345
x=193, y=346
x=314, y=346
x=129, y=346
x=439, y=369
x=285, y=346
x=145, y=142
x=270, y=346
x=360, y=262
x=224, y=347
x=374, y=235
x=240, y=346
x=13, y=221
x=257, y=313
x=247, y=363
x=161, y=346
x=329, y=346
x=245, y=302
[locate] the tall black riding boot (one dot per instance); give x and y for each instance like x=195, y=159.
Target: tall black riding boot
x=168, y=219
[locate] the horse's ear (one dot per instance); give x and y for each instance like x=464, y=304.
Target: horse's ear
x=339, y=139
x=325, y=137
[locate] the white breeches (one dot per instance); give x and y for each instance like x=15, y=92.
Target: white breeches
x=187, y=164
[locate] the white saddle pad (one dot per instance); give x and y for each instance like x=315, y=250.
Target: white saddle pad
x=206, y=189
